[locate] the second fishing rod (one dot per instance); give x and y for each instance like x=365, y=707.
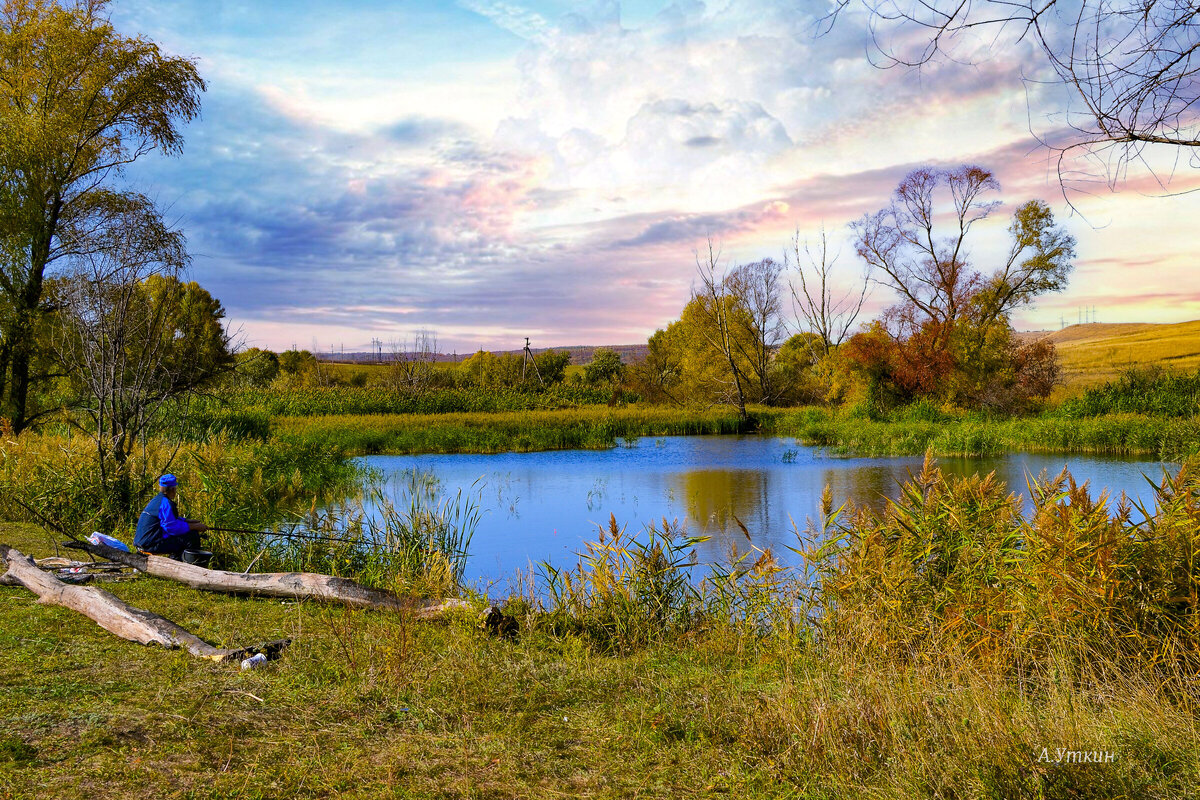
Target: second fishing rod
x=310, y=537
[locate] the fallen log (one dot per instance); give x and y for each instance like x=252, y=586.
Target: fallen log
x=110, y=613
x=295, y=585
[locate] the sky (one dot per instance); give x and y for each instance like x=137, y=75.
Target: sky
x=491, y=170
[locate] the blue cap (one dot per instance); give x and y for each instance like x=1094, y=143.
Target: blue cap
x=166, y=481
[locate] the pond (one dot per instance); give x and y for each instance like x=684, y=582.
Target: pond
x=542, y=506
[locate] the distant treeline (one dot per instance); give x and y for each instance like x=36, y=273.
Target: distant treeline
x=579, y=354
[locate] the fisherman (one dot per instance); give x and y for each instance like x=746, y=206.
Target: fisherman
x=161, y=530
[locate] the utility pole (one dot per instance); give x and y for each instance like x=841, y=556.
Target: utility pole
x=526, y=360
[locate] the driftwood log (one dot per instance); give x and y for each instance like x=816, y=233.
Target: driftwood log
x=134, y=624
x=296, y=585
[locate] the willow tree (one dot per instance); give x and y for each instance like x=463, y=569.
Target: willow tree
x=78, y=103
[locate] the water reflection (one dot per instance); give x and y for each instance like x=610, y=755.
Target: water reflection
x=543, y=506
x=722, y=504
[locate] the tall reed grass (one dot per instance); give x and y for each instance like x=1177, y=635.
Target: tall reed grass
x=1140, y=390
x=402, y=535
x=581, y=428
x=221, y=481
x=953, y=569
x=627, y=592
x=1163, y=438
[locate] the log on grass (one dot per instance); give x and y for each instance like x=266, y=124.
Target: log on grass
x=134, y=624
x=295, y=585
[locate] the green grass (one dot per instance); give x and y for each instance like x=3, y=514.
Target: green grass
x=1151, y=390
x=599, y=428
x=334, y=400
x=373, y=705
x=580, y=428
x=1109, y=434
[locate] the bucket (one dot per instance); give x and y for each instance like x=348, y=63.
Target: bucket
x=198, y=557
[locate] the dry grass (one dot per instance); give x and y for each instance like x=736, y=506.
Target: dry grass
x=1097, y=352
x=368, y=705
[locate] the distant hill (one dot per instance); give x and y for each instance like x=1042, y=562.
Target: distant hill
x=1098, y=352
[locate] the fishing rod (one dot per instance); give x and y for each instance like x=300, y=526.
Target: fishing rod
x=292, y=535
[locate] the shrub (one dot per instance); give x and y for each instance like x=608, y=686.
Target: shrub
x=1150, y=390
x=955, y=568
x=627, y=592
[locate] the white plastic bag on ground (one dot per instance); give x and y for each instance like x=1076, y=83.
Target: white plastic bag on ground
x=99, y=538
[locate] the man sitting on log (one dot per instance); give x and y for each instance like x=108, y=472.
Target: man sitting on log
x=161, y=530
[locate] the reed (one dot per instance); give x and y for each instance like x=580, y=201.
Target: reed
x=402, y=535
x=222, y=481
x=1168, y=439
x=582, y=428
x=627, y=592
x=955, y=569
x=1140, y=390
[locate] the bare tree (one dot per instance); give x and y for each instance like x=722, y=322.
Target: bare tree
x=756, y=291
x=114, y=342
x=125, y=339
x=931, y=273
x=412, y=364
x=716, y=308
x=1132, y=66
x=824, y=313
x=898, y=242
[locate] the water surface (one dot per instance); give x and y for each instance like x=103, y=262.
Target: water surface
x=543, y=506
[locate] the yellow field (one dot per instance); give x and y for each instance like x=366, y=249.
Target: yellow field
x=1098, y=352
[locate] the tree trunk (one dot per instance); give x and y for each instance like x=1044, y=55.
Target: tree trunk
x=28, y=304
x=5, y=358
x=133, y=624
x=19, y=384
x=297, y=585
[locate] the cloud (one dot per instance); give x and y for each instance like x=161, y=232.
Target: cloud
x=535, y=185
x=422, y=131
x=513, y=18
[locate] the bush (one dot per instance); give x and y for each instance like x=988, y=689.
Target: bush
x=626, y=592
x=221, y=481
x=1150, y=390
x=954, y=568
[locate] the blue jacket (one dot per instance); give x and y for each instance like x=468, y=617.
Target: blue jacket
x=159, y=520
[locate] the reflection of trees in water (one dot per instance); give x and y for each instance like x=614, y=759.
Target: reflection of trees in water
x=713, y=497
x=867, y=486
x=875, y=484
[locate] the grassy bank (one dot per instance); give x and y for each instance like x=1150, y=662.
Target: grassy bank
x=365, y=705
x=631, y=684
x=316, y=401
x=1170, y=438
x=580, y=428
x=1162, y=438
